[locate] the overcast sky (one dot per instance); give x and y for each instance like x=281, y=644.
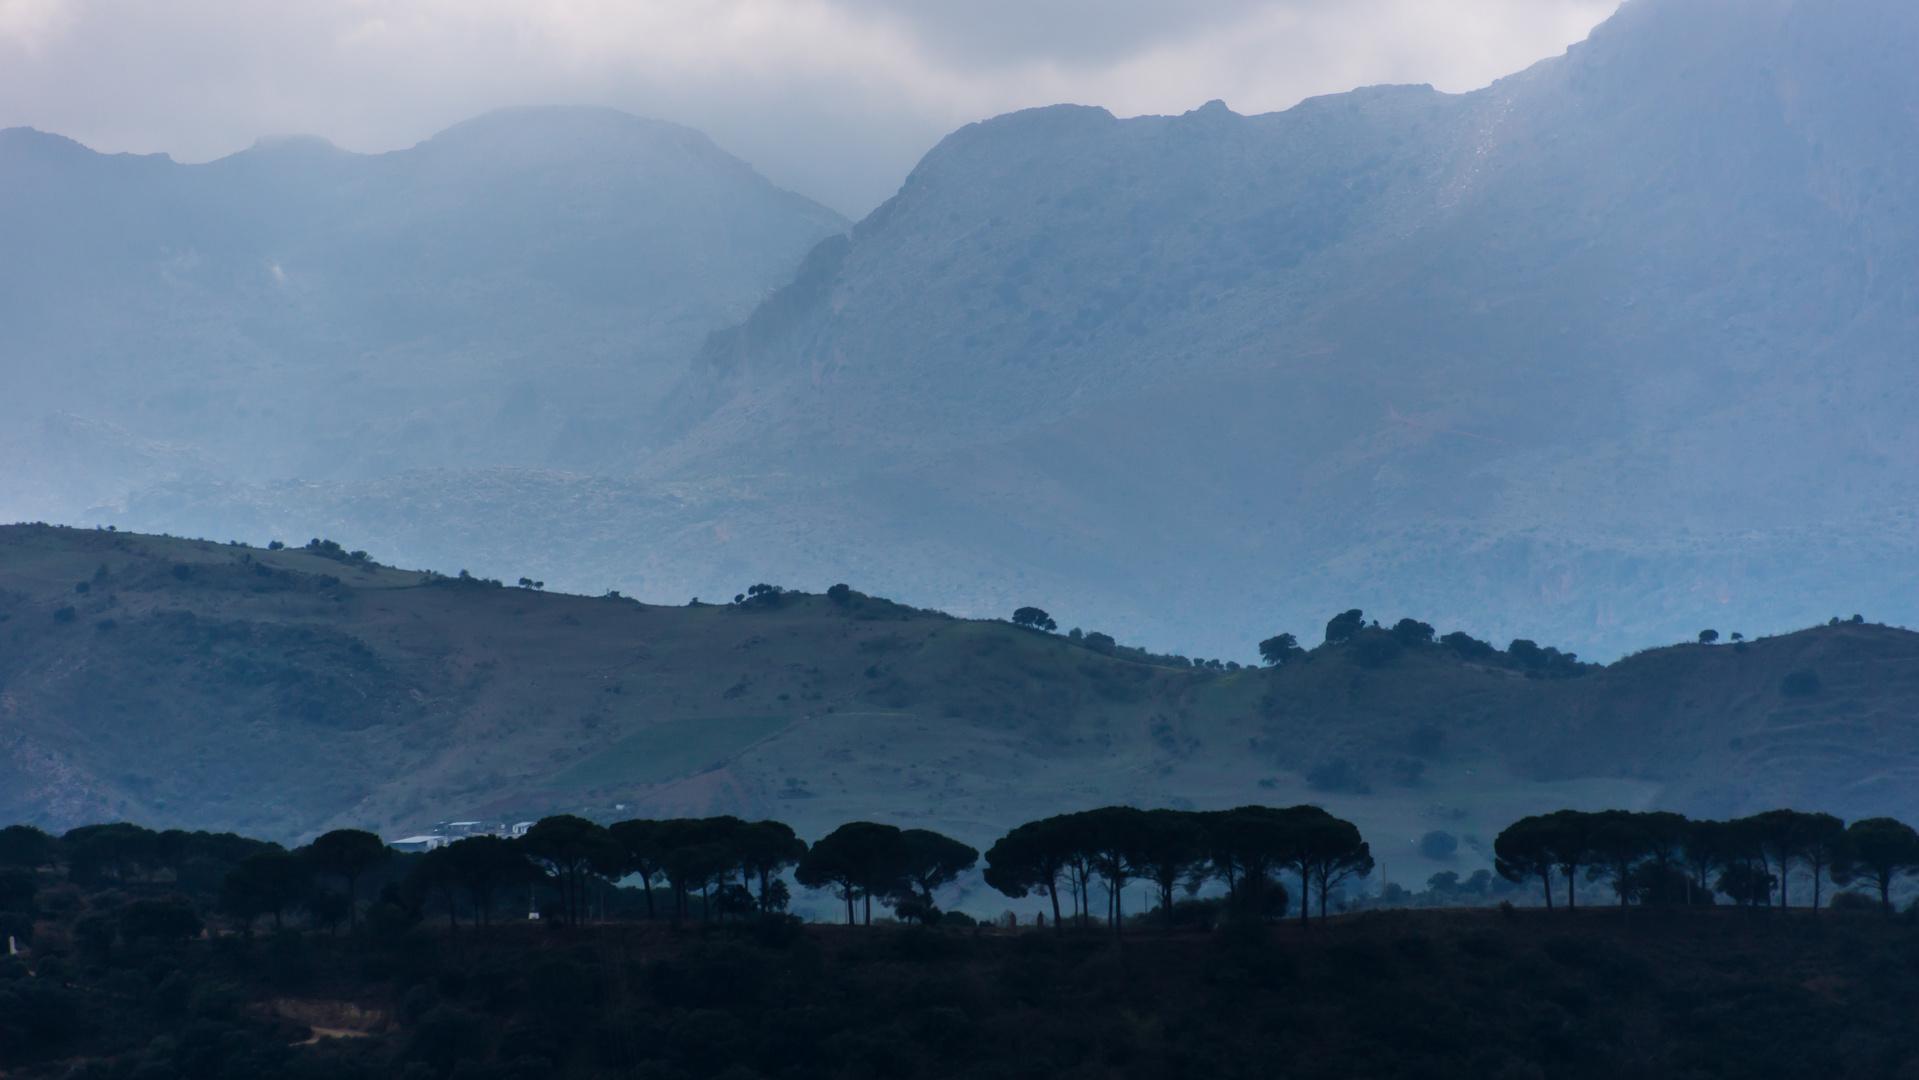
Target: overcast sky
x=834, y=98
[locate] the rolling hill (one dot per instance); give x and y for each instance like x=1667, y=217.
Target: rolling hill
x=284, y=692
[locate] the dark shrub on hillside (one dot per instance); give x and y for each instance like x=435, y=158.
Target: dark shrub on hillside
x=1411, y=632
x=1468, y=646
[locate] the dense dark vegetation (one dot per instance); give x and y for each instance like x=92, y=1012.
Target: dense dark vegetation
x=190, y=955
x=121, y=984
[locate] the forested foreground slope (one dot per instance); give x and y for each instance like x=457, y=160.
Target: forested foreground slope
x=1650, y=992
x=283, y=692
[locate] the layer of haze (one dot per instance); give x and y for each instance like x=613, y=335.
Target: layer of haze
x=833, y=99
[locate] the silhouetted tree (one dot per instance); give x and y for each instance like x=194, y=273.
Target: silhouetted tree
x=347, y=854
x=1113, y=836
x=1524, y=850
x=1171, y=848
x=1822, y=846
x=1782, y=836
x=1707, y=637
x=931, y=862
x=642, y=843
x=1568, y=839
x=1744, y=864
x=1333, y=852
x=1030, y=858
x=764, y=848
x=1618, y=845
x=486, y=865
x=1034, y=618
x=698, y=854
x=1703, y=850
x=569, y=848
x=1280, y=650
x=858, y=859
x=1879, y=849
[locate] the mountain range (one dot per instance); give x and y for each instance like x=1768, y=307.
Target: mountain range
x=1613, y=350
x=511, y=291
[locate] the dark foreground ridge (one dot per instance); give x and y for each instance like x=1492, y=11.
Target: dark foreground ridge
x=135, y=953
x=1465, y=993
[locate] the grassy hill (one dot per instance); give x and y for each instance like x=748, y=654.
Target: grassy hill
x=281, y=693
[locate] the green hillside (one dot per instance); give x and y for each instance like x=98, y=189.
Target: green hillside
x=281, y=693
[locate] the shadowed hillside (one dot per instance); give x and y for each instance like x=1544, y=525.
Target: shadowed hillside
x=285, y=692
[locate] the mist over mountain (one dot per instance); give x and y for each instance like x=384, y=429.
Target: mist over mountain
x=1616, y=345
x=1614, y=349
x=511, y=291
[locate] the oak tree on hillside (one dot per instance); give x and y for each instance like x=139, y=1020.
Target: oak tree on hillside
x=1034, y=618
x=1280, y=650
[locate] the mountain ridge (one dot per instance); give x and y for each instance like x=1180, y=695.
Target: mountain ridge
x=509, y=291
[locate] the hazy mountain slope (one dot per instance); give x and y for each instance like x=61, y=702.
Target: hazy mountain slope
x=282, y=693
x=515, y=290
x=1620, y=346
x=1610, y=351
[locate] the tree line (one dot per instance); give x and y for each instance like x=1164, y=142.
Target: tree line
x=1661, y=857
x=717, y=867
x=1247, y=849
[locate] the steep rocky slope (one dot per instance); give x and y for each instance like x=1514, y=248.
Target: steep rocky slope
x=1611, y=350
